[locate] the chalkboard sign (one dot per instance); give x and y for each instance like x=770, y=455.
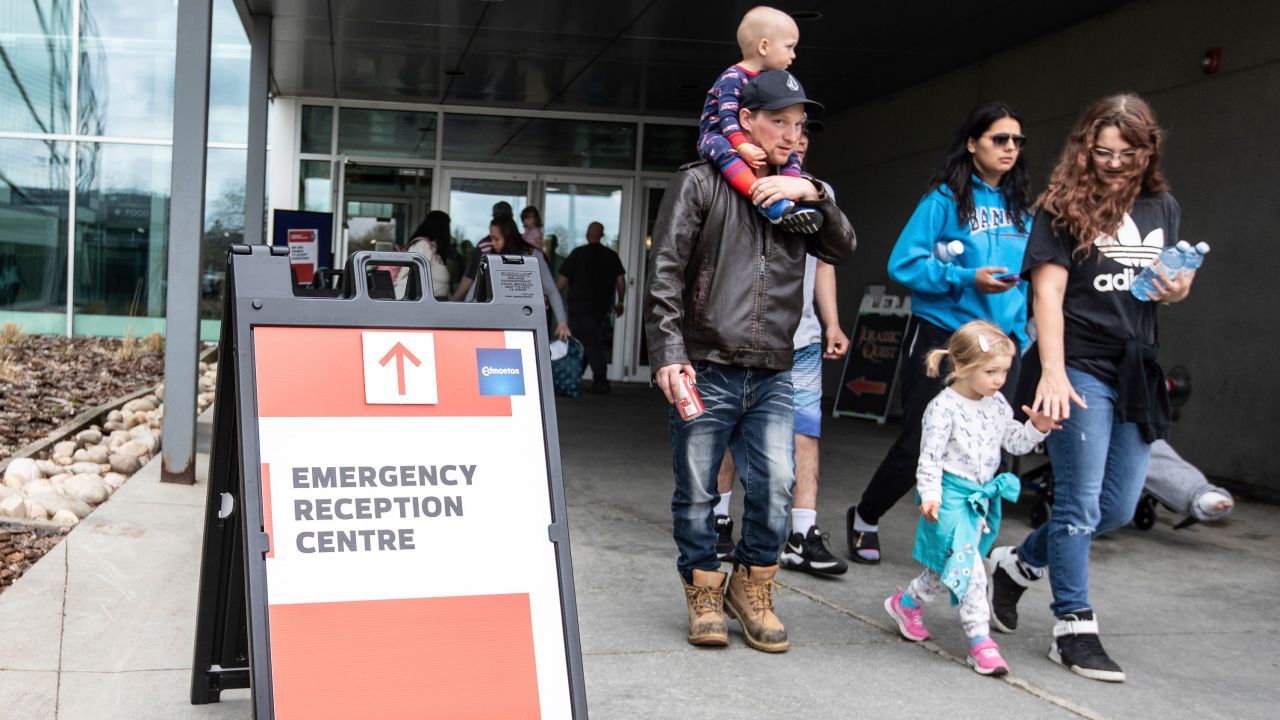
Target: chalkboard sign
x=871, y=367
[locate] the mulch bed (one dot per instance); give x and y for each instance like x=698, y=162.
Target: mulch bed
x=46, y=380
x=21, y=546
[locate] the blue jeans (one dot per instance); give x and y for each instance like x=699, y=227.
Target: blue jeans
x=1099, y=467
x=750, y=411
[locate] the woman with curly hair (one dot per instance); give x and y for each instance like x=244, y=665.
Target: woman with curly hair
x=1106, y=214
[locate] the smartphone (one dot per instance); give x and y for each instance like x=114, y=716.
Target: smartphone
x=1010, y=278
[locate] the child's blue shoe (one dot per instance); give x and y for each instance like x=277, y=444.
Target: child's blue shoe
x=777, y=210
x=792, y=218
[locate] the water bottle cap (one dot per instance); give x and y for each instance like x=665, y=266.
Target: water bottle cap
x=956, y=247
x=1183, y=245
x=1202, y=247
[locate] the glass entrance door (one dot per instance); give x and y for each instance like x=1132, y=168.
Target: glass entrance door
x=379, y=205
x=469, y=199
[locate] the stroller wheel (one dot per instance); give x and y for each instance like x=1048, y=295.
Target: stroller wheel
x=1144, y=516
x=1040, y=512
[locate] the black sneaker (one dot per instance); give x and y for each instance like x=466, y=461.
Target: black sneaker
x=861, y=544
x=1008, y=582
x=600, y=387
x=1076, y=647
x=810, y=554
x=802, y=220
x=724, y=538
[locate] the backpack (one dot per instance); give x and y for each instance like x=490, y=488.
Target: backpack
x=566, y=367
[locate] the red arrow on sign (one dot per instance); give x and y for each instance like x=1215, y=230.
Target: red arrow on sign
x=862, y=385
x=400, y=353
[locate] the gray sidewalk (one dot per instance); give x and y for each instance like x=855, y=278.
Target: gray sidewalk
x=102, y=627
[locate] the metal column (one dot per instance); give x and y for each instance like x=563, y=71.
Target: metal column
x=255, y=179
x=186, y=230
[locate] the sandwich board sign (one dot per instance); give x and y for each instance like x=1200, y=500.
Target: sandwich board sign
x=377, y=447
x=870, y=372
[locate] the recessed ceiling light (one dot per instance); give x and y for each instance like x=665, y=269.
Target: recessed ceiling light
x=457, y=72
x=806, y=15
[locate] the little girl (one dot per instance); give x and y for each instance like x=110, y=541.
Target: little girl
x=964, y=428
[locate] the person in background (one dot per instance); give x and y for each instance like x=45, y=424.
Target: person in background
x=431, y=239
x=597, y=285
x=978, y=199
x=531, y=219
x=507, y=241
x=818, y=338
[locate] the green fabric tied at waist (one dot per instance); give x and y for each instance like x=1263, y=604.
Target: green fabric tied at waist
x=968, y=521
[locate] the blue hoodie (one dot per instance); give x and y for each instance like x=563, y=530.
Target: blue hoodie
x=944, y=293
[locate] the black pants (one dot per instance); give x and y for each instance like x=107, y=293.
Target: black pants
x=896, y=475
x=590, y=332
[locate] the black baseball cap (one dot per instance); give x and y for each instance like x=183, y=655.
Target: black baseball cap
x=774, y=90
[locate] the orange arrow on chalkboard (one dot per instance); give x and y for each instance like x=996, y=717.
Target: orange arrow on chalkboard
x=862, y=385
x=400, y=353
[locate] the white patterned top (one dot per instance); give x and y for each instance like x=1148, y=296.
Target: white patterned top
x=964, y=437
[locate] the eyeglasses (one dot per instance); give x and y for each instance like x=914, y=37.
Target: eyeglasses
x=1104, y=155
x=1002, y=139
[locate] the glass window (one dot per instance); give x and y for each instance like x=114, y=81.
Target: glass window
x=223, y=223
x=540, y=141
x=667, y=147
x=33, y=234
x=317, y=129
x=126, y=67
x=122, y=213
x=471, y=203
x=317, y=188
x=387, y=133
x=571, y=207
x=228, y=76
x=35, y=80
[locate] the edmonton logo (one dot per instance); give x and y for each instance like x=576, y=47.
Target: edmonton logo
x=500, y=371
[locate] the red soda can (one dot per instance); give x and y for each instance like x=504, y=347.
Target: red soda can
x=687, y=400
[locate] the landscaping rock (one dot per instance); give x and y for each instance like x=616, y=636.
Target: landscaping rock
x=48, y=467
x=34, y=510
x=66, y=447
x=81, y=468
x=20, y=472
x=141, y=404
x=13, y=506
x=88, y=488
x=125, y=463
x=92, y=436
x=65, y=517
x=55, y=503
x=114, y=480
x=38, y=486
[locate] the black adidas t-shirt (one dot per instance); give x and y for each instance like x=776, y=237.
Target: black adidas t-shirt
x=1098, y=301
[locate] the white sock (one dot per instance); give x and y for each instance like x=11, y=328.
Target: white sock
x=802, y=519
x=861, y=525
x=722, y=507
x=1208, y=502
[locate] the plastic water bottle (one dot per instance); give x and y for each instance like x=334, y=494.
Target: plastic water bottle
x=948, y=251
x=1194, y=257
x=1171, y=260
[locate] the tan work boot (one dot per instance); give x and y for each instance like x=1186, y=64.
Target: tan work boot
x=750, y=600
x=706, y=608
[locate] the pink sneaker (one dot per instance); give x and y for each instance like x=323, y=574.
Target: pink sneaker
x=910, y=620
x=986, y=659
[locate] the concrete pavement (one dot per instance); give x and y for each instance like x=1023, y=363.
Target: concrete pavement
x=102, y=627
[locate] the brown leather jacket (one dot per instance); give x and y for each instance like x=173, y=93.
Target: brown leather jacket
x=724, y=284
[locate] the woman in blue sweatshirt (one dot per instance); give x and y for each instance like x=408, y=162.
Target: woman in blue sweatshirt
x=977, y=204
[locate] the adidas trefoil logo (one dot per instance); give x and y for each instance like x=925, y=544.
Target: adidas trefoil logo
x=1129, y=248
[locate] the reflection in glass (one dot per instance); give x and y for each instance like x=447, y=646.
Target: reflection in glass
x=317, y=189
x=228, y=76
x=667, y=147
x=122, y=212
x=471, y=203
x=126, y=67
x=540, y=141
x=652, y=201
x=33, y=234
x=387, y=133
x=317, y=129
x=223, y=223
x=35, y=66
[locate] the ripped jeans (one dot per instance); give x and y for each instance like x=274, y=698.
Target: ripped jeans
x=1099, y=467
x=750, y=411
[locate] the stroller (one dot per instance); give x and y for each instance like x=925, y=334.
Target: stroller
x=1172, y=482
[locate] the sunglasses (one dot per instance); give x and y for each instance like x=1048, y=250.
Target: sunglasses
x=1002, y=139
